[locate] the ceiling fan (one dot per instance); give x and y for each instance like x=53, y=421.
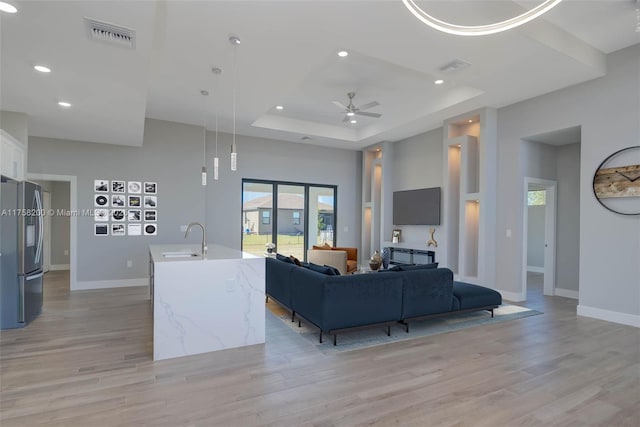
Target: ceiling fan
x=351, y=110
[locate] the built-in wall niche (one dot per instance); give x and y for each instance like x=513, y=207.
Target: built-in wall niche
x=463, y=211
x=469, y=249
x=470, y=144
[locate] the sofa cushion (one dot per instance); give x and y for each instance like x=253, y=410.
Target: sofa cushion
x=473, y=296
x=426, y=292
x=336, y=272
x=321, y=269
x=284, y=259
x=418, y=267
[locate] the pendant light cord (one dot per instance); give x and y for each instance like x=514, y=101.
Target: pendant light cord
x=235, y=71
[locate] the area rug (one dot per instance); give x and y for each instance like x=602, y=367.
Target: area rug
x=354, y=340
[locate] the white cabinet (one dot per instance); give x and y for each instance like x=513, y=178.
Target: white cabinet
x=12, y=157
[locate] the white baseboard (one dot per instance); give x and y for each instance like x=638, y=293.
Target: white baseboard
x=105, y=284
x=567, y=293
x=609, y=316
x=533, y=269
x=58, y=267
x=512, y=296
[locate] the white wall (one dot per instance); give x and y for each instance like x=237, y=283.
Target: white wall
x=172, y=156
x=609, y=113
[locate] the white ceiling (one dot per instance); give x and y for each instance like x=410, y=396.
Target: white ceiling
x=288, y=56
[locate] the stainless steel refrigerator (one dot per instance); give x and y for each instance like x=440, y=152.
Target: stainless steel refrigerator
x=21, y=246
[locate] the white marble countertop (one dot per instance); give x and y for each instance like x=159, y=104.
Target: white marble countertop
x=214, y=252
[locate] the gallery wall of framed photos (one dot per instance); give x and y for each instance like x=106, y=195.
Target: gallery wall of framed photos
x=125, y=208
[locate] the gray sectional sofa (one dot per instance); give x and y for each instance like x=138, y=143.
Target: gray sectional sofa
x=335, y=303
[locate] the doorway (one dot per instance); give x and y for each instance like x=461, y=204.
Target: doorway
x=539, y=240
x=71, y=213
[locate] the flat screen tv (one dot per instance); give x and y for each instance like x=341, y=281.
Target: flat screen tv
x=417, y=207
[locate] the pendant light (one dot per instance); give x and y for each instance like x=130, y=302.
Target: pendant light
x=216, y=160
x=235, y=41
x=204, y=94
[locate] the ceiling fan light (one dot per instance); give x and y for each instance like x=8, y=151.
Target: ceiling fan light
x=479, y=30
x=351, y=113
x=354, y=121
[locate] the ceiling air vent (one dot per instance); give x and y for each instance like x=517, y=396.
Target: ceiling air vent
x=453, y=66
x=111, y=33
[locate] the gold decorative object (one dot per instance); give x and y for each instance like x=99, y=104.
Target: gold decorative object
x=432, y=241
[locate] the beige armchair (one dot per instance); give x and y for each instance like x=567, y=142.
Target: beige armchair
x=337, y=259
x=344, y=259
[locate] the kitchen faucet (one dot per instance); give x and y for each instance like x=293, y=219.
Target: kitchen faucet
x=204, y=235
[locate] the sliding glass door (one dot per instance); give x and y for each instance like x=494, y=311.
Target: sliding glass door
x=257, y=221
x=294, y=216
x=291, y=220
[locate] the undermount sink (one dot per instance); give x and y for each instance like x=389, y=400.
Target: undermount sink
x=179, y=254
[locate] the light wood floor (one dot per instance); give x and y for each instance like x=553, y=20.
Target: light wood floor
x=86, y=361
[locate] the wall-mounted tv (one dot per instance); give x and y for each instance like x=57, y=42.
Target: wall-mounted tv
x=417, y=207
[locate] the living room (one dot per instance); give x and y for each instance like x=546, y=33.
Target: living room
x=170, y=153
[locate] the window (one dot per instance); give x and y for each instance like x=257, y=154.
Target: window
x=266, y=217
x=296, y=218
x=537, y=198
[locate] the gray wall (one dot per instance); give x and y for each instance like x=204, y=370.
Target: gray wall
x=16, y=124
x=260, y=158
x=607, y=111
x=568, y=219
x=172, y=156
x=417, y=163
x=535, y=236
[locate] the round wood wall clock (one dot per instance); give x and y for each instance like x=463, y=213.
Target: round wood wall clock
x=616, y=183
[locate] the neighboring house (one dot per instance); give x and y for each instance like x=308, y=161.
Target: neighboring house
x=258, y=214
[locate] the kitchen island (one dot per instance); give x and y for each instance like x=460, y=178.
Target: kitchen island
x=203, y=304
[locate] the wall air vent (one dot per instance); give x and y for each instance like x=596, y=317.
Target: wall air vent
x=453, y=66
x=111, y=33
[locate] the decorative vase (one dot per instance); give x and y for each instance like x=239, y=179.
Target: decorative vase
x=376, y=261
x=386, y=256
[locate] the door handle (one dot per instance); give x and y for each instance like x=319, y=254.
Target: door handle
x=37, y=276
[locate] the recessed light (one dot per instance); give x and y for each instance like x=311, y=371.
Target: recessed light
x=6, y=7
x=377, y=149
x=42, y=68
x=459, y=145
x=354, y=121
x=470, y=121
x=64, y=104
x=279, y=107
x=439, y=81
x=343, y=53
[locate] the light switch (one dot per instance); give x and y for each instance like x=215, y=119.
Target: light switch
x=508, y=232
x=346, y=229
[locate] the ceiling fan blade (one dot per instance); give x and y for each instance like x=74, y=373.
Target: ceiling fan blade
x=346, y=119
x=376, y=115
x=369, y=105
x=339, y=105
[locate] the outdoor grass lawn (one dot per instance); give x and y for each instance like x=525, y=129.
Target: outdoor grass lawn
x=287, y=245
